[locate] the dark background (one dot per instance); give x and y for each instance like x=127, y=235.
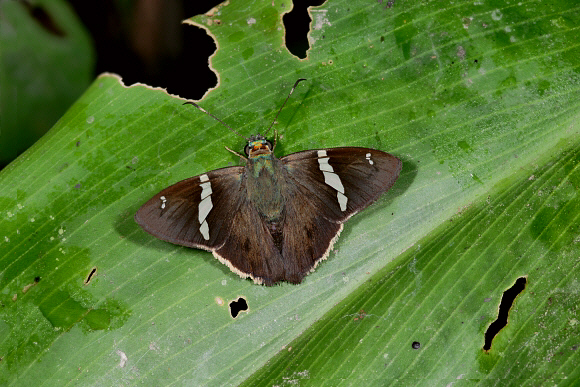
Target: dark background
x=146, y=41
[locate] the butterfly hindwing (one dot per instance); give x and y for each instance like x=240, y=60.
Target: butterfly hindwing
x=249, y=249
x=196, y=212
x=308, y=234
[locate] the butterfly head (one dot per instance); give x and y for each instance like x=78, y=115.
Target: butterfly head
x=258, y=146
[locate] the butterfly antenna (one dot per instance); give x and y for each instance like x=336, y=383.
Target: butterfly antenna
x=215, y=118
x=281, y=107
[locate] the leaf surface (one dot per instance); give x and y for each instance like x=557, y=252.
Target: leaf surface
x=468, y=95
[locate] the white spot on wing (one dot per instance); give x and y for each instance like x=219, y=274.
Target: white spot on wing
x=163, y=201
x=205, y=207
x=206, y=190
x=342, y=200
x=333, y=180
x=324, y=166
x=204, y=230
x=371, y=162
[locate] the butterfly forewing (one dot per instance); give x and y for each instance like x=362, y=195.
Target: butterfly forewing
x=345, y=180
x=196, y=212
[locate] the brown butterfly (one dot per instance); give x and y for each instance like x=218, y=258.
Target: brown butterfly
x=273, y=219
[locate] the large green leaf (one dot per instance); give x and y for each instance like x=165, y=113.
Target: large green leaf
x=467, y=95
x=444, y=293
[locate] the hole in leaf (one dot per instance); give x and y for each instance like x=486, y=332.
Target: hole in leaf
x=197, y=44
x=505, y=305
x=146, y=42
x=238, y=306
x=90, y=276
x=416, y=345
x=297, y=26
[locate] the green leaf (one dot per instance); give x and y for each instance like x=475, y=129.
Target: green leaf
x=444, y=292
x=38, y=39
x=474, y=98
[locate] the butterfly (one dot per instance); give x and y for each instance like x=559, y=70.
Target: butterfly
x=272, y=219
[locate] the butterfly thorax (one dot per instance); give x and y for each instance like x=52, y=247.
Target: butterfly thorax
x=264, y=182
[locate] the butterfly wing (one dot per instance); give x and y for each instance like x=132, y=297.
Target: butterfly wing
x=332, y=185
x=212, y=212
x=308, y=235
x=249, y=250
x=343, y=180
x=182, y=213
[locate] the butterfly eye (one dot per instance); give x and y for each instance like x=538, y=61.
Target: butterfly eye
x=247, y=150
x=269, y=144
